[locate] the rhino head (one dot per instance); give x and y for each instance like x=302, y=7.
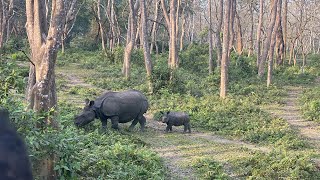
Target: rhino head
x=86, y=116
x=164, y=117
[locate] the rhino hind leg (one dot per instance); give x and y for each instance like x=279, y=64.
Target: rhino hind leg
x=134, y=122
x=142, y=122
x=187, y=126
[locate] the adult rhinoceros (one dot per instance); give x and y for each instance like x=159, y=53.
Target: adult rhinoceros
x=120, y=107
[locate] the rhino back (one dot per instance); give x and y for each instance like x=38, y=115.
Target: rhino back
x=126, y=104
x=178, y=118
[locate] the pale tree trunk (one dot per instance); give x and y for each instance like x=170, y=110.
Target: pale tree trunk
x=273, y=41
x=147, y=57
x=101, y=27
x=218, y=32
x=250, y=51
x=259, y=28
x=171, y=24
x=183, y=24
x=154, y=26
x=285, y=29
x=70, y=19
x=231, y=26
x=239, y=46
x=44, y=44
x=225, y=49
x=114, y=29
x=273, y=13
x=280, y=44
x=6, y=12
x=210, y=39
x=131, y=35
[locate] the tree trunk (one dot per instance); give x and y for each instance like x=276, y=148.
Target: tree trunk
x=6, y=12
x=154, y=26
x=250, y=51
x=182, y=29
x=70, y=19
x=218, y=32
x=259, y=28
x=131, y=37
x=225, y=50
x=171, y=24
x=210, y=39
x=147, y=57
x=285, y=29
x=273, y=41
x=273, y=14
x=231, y=26
x=44, y=44
x=101, y=27
x=239, y=46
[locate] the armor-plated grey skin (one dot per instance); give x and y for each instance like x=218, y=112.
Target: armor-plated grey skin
x=120, y=107
x=14, y=159
x=176, y=119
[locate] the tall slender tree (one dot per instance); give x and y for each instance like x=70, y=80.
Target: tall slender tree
x=259, y=28
x=210, y=39
x=171, y=24
x=145, y=43
x=6, y=12
x=225, y=49
x=273, y=41
x=131, y=36
x=218, y=31
x=273, y=13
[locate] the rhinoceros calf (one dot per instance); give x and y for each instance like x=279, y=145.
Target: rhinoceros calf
x=176, y=119
x=120, y=107
x=14, y=160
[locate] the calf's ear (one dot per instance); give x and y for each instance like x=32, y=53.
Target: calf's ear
x=87, y=101
x=91, y=103
x=168, y=112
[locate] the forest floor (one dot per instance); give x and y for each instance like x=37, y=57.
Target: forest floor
x=179, y=151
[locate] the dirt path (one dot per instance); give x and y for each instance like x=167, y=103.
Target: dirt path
x=290, y=112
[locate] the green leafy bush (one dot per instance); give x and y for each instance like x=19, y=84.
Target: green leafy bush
x=209, y=169
x=310, y=104
x=277, y=165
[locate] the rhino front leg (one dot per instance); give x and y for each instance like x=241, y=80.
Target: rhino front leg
x=104, y=124
x=185, y=128
x=189, y=127
x=169, y=128
x=115, y=122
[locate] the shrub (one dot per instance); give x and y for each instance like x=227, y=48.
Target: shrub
x=277, y=165
x=209, y=169
x=310, y=104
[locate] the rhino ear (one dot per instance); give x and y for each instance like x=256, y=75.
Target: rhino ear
x=86, y=101
x=168, y=112
x=91, y=103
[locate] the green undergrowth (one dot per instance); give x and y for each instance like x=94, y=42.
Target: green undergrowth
x=84, y=153
x=309, y=103
x=79, y=153
x=277, y=164
x=209, y=169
